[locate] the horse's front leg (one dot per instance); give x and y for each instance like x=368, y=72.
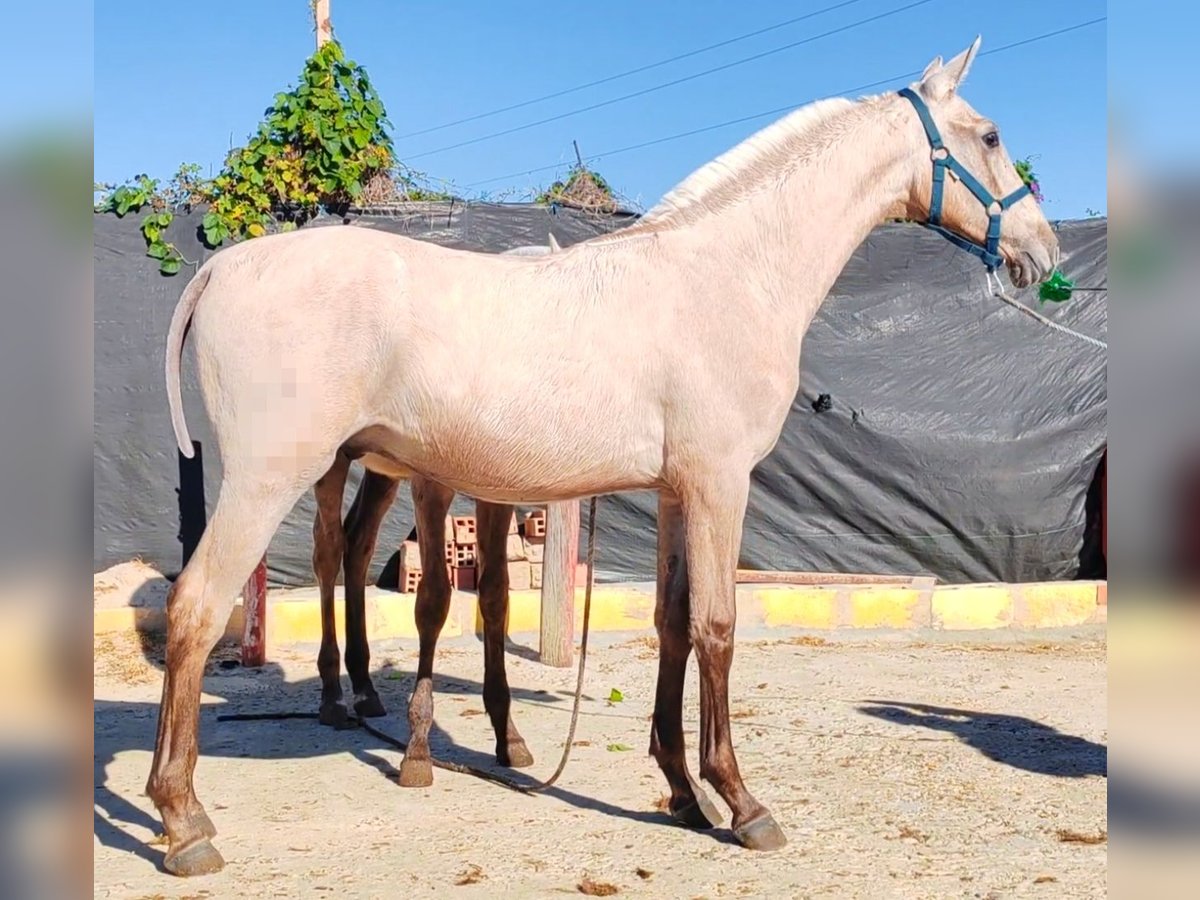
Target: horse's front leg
x=688, y=804
x=431, y=501
x=714, y=506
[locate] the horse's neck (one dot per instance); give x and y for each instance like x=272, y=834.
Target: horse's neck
x=788, y=244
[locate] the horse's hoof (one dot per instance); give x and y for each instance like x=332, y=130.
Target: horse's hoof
x=369, y=707
x=760, y=834
x=415, y=773
x=202, y=823
x=516, y=757
x=334, y=715
x=199, y=858
x=699, y=813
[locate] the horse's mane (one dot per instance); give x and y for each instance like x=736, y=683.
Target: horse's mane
x=747, y=166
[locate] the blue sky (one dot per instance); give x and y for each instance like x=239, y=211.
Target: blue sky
x=175, y=86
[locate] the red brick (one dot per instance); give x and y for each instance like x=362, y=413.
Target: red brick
x=462, y=578
x=410, y=556
x=409, y=581
x=535, y=524
x=519, y=576
x=464, y=556
x=464, y=530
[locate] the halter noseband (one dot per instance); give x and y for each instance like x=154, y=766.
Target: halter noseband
x=943, y=159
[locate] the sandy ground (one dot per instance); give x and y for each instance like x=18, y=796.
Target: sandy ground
x=898, y=765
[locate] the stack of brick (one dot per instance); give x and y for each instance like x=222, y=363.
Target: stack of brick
x=524, y=555
x=459, y=556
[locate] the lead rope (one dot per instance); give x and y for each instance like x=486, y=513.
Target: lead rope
x=583, y=642
x=493, y=777
x=998, y=292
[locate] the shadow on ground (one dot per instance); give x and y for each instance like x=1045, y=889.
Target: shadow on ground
x=1012, y=740
x=302, y=739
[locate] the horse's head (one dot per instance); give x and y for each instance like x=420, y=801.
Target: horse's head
x=981, y=197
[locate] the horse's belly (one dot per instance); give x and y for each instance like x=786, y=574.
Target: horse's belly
x=511, y=465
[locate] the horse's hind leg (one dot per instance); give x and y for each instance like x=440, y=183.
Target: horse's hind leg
x=688, y=804
x=198, y=609
x=431, y=501
x=492, y=535
x=328, y=546
x=374, y=499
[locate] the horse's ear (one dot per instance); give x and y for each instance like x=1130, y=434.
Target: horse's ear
x=933, y=68
x=554, y=245
x=938, y=83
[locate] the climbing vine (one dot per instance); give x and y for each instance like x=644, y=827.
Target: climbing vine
x=184, y=189
x=324, y=142
x=321, y=143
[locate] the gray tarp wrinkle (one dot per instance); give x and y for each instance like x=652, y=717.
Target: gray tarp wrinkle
x=960, y=441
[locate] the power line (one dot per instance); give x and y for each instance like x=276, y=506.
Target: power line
x=782, y=109
x=628, y=72
x=667, y=84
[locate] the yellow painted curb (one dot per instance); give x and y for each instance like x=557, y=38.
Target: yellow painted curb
x=295, y=617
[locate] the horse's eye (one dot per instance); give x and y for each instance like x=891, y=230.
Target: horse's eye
x=991, y=140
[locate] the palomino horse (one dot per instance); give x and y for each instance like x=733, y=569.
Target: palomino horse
x=352, y=543
x=667, y=359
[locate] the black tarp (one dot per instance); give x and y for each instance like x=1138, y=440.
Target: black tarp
x=960, y=440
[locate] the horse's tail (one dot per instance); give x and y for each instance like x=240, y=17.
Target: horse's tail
x=180, y=322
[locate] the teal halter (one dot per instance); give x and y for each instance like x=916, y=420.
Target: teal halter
x=943, y=159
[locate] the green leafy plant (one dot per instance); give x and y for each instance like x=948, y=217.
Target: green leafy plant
x=321, y=143
x=142, y=191
x=1024, y=168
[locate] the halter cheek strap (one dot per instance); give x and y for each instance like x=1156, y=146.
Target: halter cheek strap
x=943, y=160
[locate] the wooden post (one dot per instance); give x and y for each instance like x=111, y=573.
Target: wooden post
x=557, y=633
x=324, y=26
x=254, y=621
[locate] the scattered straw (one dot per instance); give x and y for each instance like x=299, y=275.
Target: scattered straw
x=473, y=875
x=908, y=833
x=596, y=888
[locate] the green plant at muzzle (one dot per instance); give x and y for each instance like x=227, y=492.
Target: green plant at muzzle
x=318, y=145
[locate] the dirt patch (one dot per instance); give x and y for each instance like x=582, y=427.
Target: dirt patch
x=893, y=796
x=645, y=646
